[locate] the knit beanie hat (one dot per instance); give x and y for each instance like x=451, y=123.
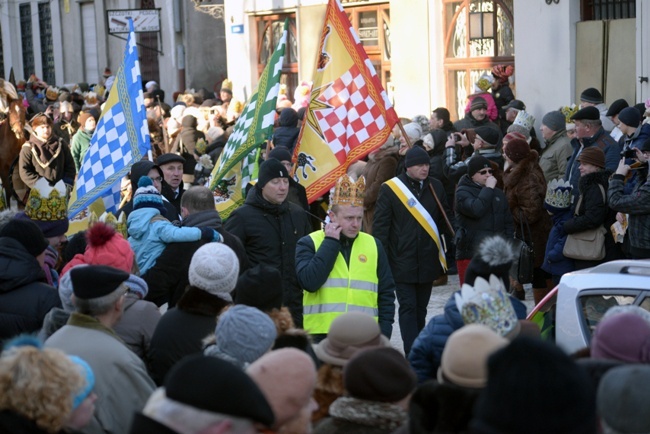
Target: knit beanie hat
x=512, y=136
x=413, y=130
x=243, y=334
x=271, y=169
x=592, y=155
x=624, y=337
x=478, y=103
x=107, y=247
x=488, y=135
x=622, y=399
x=214, y=268
x=379, y=375
x=591, y=95
x=27, y=233
x=416, y=155
x=494, y=256
x=147, y=196
x=287, y=378
x=260, y=287
x=476, y=164
x=280, y=153
x=89, y=376
x=554, y=121
x=517, y=150
x=630, y=116
x=464, y=358
x=564, y=400
x=616, y=107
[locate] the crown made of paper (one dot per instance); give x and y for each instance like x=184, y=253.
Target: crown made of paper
x=91, y=98
x=524, y=119
x=47, y=203
x=487, y=303
x=108, y=218
x=558, y=193
x=568, y=111
x=484, y=83
x=52, y=93
x=348, y=192
x=226, y=84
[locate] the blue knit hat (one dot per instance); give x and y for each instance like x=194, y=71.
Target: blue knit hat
x=147, y=196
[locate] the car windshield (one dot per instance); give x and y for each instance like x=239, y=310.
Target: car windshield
x=594, y=306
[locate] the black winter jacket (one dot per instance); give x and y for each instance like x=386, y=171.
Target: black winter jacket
x=269, y=234
x=480, y=212
x=412, y=253
x=637, y=205
x=25, y=298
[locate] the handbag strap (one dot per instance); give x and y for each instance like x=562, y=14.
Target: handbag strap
x=602, y=191
x=442, y=210
x=522, y=220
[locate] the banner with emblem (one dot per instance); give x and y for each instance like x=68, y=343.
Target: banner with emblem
x=238, y=163
x=349, y=113
x=121, y=138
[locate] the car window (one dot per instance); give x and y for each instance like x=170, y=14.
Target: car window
x=545, y=318
x=594, y=307
x=645, y=304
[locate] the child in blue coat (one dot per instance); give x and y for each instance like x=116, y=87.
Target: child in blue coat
x=558, y=205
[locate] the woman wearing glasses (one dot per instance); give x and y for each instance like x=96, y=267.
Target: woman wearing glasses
x=481, y=210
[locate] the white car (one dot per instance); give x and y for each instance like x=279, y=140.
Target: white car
x=571, y=311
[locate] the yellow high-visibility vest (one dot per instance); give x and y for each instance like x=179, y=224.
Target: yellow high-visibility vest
x=346, y=289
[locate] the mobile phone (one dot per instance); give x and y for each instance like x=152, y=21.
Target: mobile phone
x=458, y=137
x=630, y=153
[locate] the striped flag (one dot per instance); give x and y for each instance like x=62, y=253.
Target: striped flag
x=349, y=113
x=238, y=162
x=121, y=138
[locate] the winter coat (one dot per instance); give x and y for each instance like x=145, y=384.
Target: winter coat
x=480, y=212
x=51, y=160
x=437, y=163
x=604, y=141
x=138, y=322
x=555, y=262
x=148, y=236
x=358, y=416
x=555, y=156
x=121, y=379
x=181, y=330
x=138, y=170
x=144, y=424
x=65, y=130
x=313, y=268
x=637, y=205
x=470, y=122
x=25, y=298
x=168, y=278
x=502, y=96
x=455, y=167
x=269, y=233
x=492, y=110
x=79, y=146
x=14, y=423
x=380, y=168
x=286, y=134
x=426, y=351
x=593, y=212
x=525, y=189
x=412, y=253
x=173, y=198
x=185, y=143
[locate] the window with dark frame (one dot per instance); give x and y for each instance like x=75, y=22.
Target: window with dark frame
x=47, y=43
x=26, y=39
x=592, y=10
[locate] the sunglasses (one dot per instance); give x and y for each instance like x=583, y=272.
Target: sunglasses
x=486, y=171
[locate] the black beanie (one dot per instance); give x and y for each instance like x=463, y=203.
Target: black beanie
x=260, y=287
x=494, y=256
x=416, y=155
x=630, y=116
x=488, y=135
x=591, y=95
x=27, y=233
x=271, y=169
x=280, y=153
x=477, y=163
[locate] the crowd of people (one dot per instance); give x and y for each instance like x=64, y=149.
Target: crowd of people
x=166, y=319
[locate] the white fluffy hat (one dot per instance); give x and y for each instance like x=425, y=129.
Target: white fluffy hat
x=214, y=269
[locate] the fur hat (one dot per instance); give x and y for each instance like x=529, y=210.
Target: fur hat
x=464, y=358
x=630, y=116
x=476, y=164
x=243, y=334
x=591, y=95
x=201, y=382
x=287, y=378
x=616, y=107
x=379, y=375
x=27, y=233
x=517, y=150
x=622, y=397
x=348, y=334
x=489, y=135
x=554, y=121
x=214, y=268
x=416, y=155
x=147, y=196
x=95, y=281
x=624, y=337
x=494, y=256
x=260, y=287
x=271, y=169
x=478, y=102
x=563, y=402
x=592, y=155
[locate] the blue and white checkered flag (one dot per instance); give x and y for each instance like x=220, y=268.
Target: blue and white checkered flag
x=120, y=139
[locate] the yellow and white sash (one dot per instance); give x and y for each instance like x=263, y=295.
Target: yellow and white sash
x=420, y=214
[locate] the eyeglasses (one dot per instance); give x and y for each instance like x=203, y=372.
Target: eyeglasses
x=486, y=171
x=157, y=179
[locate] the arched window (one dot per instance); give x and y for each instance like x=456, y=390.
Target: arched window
x=478, y=35
x=269, y=32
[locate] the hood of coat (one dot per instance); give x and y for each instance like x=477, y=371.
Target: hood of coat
x=19, y=268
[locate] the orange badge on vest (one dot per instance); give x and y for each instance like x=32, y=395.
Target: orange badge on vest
x=363, y=259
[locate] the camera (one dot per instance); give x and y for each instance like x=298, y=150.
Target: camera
x=629, y=153
x=458, y=137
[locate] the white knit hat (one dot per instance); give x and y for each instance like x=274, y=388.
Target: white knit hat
x=214, y=269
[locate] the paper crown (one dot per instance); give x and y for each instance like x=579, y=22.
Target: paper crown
x=52, y=93
x=568, y=111
x=487, y=303
x=524, y=119
x=91, y=99
x=558, y=194
x=117, y=223
x=46, y=203
x=348, y=192
x=484, y=83
x=226, y=85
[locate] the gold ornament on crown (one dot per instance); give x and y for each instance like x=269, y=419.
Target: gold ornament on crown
x=568, y=111
x=118, y=223
x=348, y=192
x=558, y=193
x=46, y=203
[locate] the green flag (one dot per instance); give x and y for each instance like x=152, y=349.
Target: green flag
x=237, y=165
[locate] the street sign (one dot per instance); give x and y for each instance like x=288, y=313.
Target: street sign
x=237, y=29
x=144, y=20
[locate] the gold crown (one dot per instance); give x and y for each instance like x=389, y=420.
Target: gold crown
x=558, y=194
x=568, y=111
x=52, y=93
x=348, y=192
x=46, y=203
x=226, y=84
x=119, y=223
